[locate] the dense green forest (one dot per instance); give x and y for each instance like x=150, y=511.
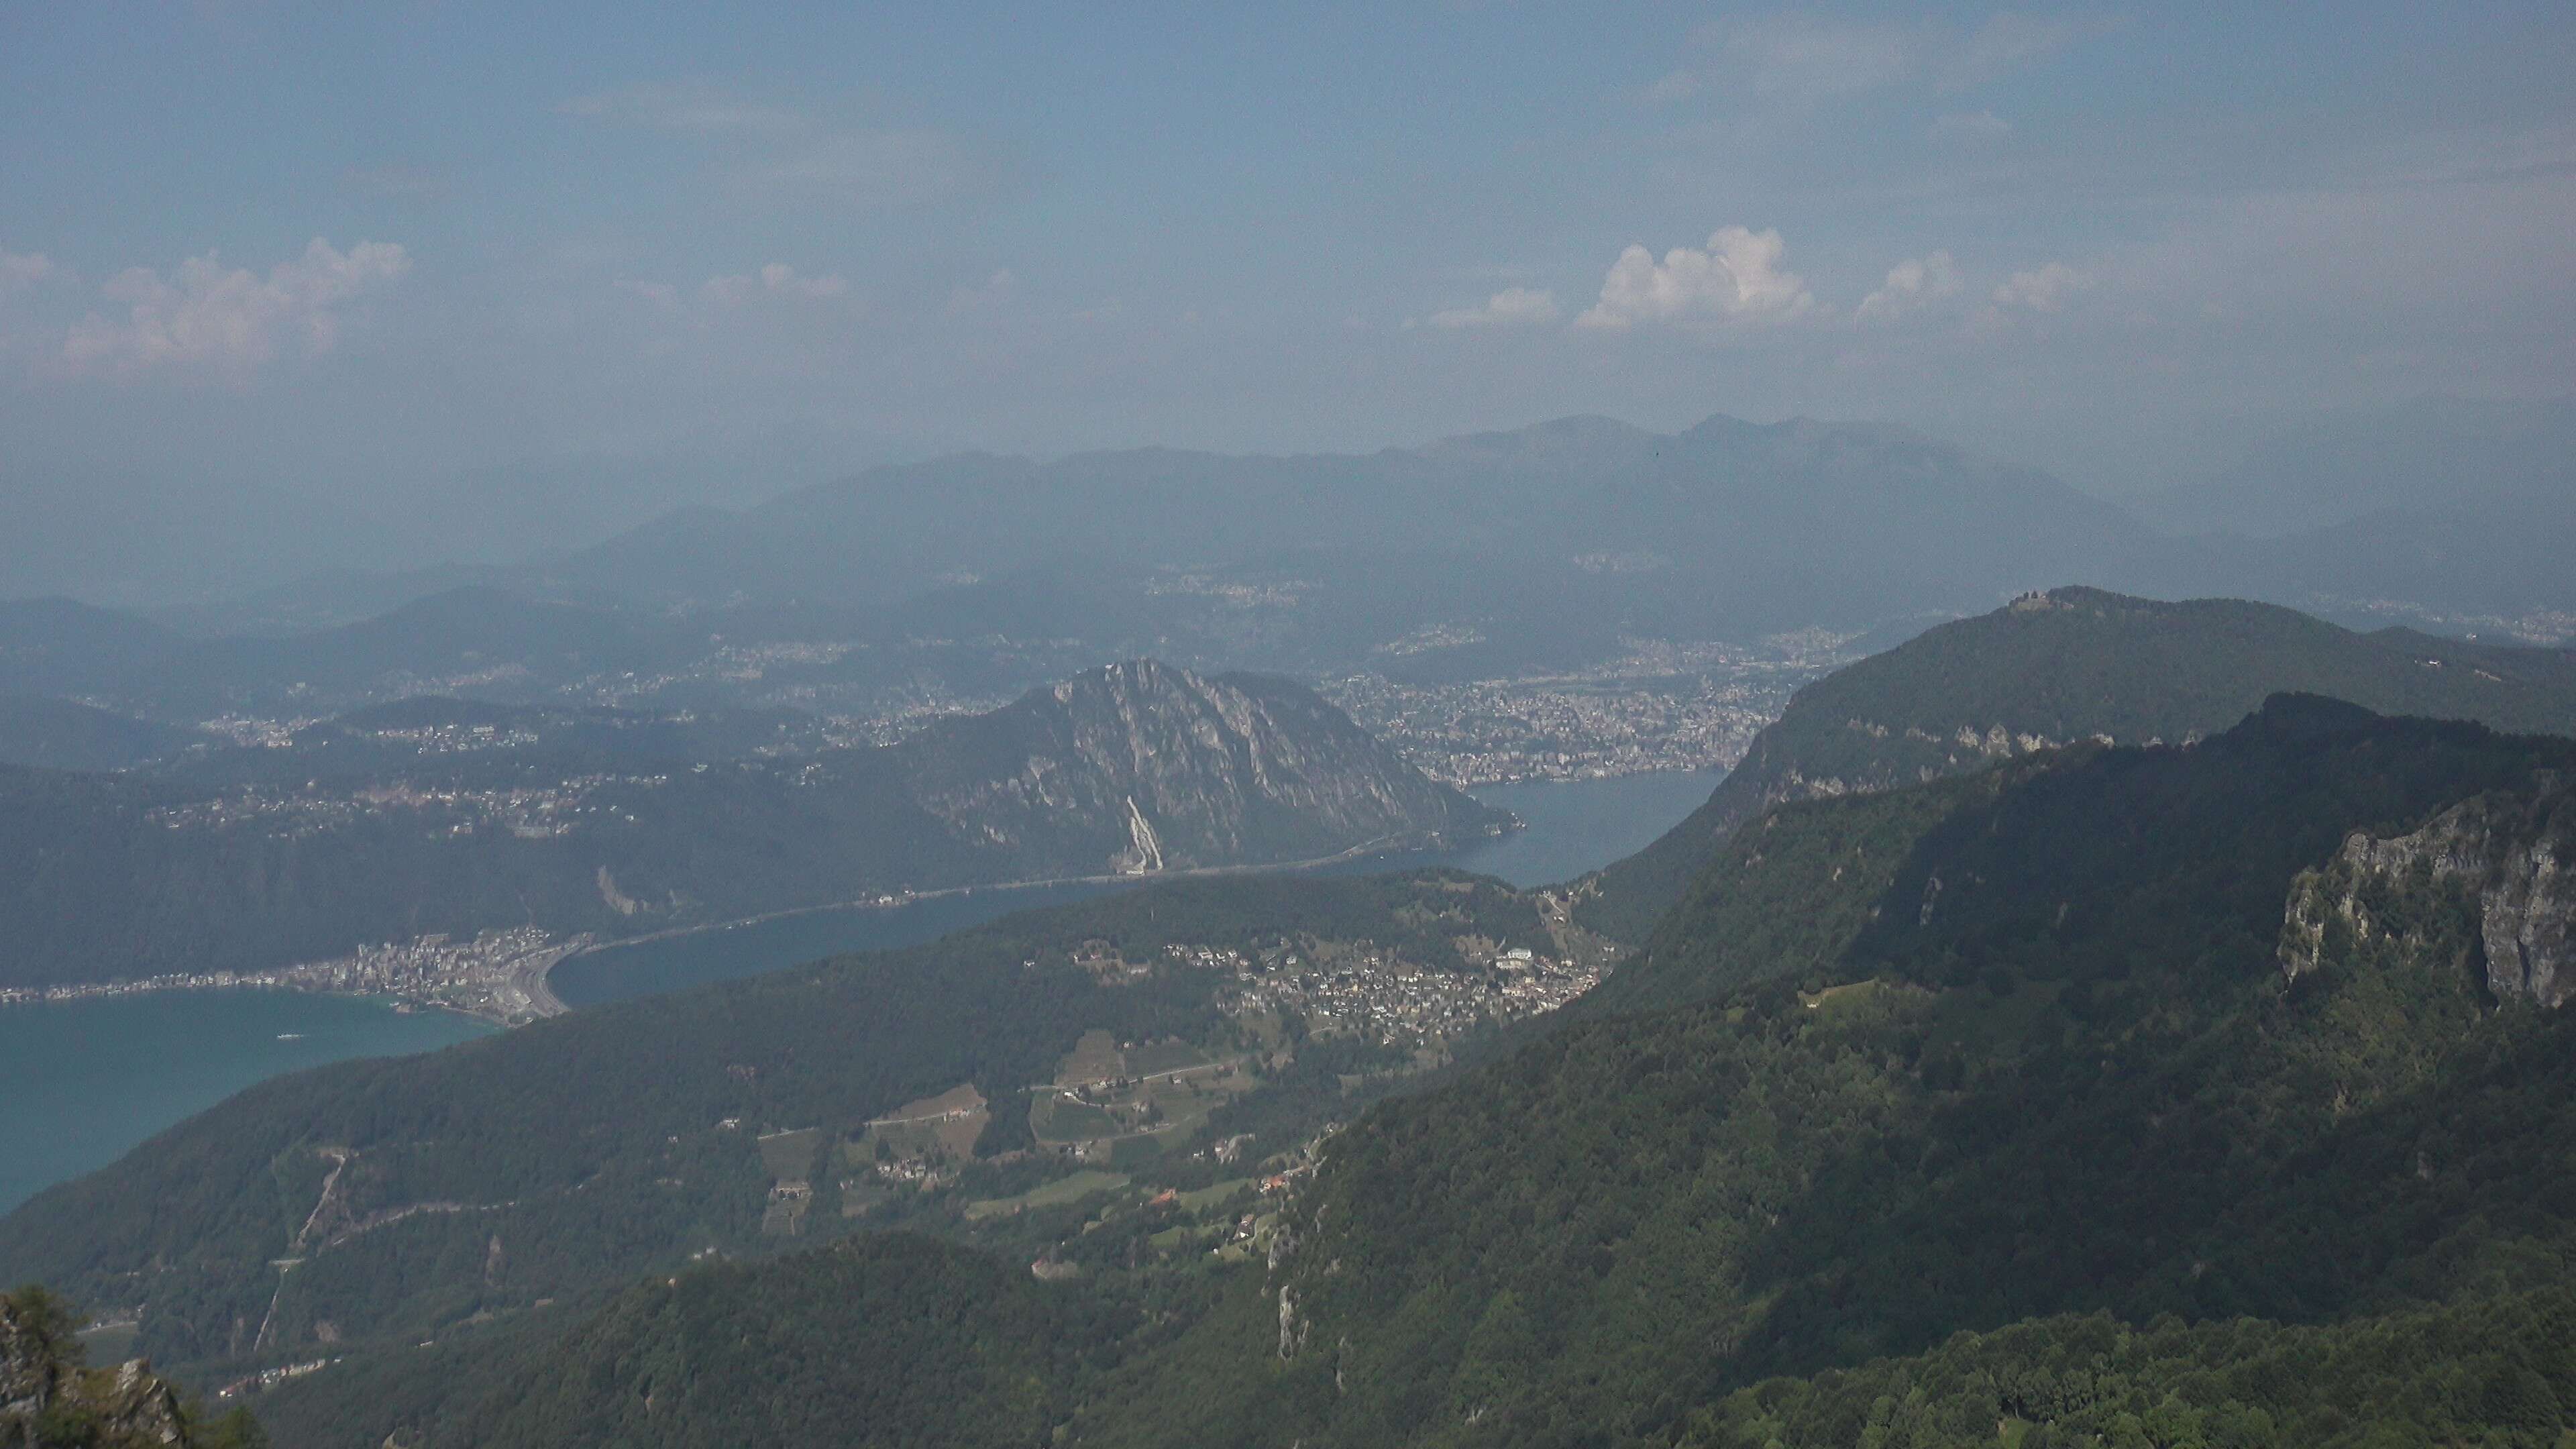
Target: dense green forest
x=2498, y=1370
x=590, y=821
x=2071, y=1079
x=2068, y=665
x=889, y=1340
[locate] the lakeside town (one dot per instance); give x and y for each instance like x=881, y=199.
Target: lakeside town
x=1363, y=989
x=497, y=976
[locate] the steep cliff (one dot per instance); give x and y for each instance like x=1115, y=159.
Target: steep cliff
x=2498, y=865
x=49, y=1398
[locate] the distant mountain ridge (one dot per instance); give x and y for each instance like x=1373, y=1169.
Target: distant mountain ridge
x=1714, y=498
x=2071, y=664
x=1173, y=771
x=262, y=858
x=1552, y=538
x=1516, y=552
x=59, y=734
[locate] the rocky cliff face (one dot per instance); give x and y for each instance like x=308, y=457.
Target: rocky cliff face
x=47, y=1398
x=2504, y=858
x=1143, y=768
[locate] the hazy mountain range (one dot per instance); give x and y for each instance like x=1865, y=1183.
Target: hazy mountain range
x=444, y=816
x=1501, y=554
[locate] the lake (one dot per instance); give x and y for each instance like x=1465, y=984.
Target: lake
x=1574, y=827
x=82, y=1081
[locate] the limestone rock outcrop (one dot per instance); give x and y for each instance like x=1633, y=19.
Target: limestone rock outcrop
x=47, y=1397
x=2510, y=854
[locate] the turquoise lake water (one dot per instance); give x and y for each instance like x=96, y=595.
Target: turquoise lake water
x=80, y=1082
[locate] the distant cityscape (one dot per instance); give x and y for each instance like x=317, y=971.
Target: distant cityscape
x=1660, y=706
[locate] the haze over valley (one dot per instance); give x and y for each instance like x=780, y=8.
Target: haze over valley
x=1421, y=727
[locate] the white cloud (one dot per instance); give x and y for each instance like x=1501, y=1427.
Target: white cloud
x=229, y=320
x=1510, y=307
x=26, y=269
x=2042, y=289
x=1977, y=129
x=1911, y=285
x=1738, y=279
x=774, y=280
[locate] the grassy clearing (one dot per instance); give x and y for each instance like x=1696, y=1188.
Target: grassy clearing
x=789, y=1156
x=1064, y=1189
x=1164, y=1056
x=1850, y=993
x=1095, y=1058
x=1208, y=1197
x=1053, y=1119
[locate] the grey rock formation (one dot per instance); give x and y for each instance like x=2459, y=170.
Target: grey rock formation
x=2510, y=853
x=47, y=1398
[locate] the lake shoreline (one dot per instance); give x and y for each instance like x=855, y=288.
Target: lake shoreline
x=535, y=985
x=898, y=900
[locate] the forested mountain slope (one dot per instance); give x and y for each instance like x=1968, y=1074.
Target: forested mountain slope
x=418, y=1198
x=2074, y=664
x=262, y=858
x=928, y=1344
x=60, y=734
x=2070, y=1057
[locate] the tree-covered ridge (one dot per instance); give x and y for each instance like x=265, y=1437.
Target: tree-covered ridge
x=62, y=734
x=2498, y=1371
x=355, y=834
x=2071, y=1078
x=1785, y=896
x=414, y=1195
x=888, y=1340
x=2068, y=665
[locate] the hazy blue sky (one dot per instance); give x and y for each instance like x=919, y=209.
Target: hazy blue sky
x=343, y=244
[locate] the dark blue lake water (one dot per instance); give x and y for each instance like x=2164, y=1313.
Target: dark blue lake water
x=1573, y=828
